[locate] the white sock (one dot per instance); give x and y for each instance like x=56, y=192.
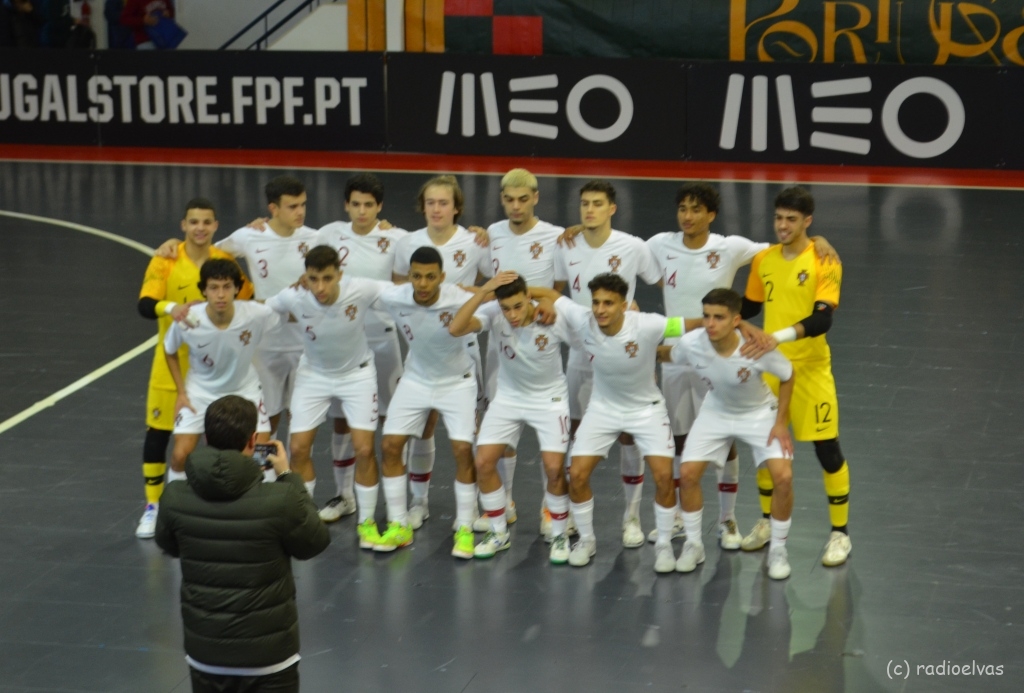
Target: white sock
x=310, y=487
x=465, y=504
x=396, y=499
x=728, y=483
x=366, y=501
x=584, y=516
x=344, y=456
x=493, y=504
x=507, y=468
x=663, y=520
x=694, y=524
x=421, y=464
x=632, y=466
x=780, y=532
x=558, y=506
x=171, y=475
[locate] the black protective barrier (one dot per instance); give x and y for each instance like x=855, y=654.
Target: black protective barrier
x=951, y=117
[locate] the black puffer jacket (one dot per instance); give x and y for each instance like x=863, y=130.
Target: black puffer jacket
x=236, y=537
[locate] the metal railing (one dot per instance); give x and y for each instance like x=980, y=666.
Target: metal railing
x=264, y=39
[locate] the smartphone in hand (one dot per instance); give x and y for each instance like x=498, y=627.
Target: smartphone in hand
x=260, y=453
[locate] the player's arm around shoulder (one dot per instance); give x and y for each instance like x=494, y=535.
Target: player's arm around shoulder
x=465, y=320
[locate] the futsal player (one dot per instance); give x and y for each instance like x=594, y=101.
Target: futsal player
x=738, y=406
x=622, y=348
x=600, y=249
x=221, y=347
x=799, y=294
x=366, y=248
x=531, y=390
x=439, y=375
x=525, y=243
x=170, y=285
x=441, y=202
x=337, y=364
x=274, y=260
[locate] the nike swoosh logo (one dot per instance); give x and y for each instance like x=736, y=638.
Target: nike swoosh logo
x=405, y=315
x=819, y=429
x=767, y=274
x=202, y=346
x=182, y=288
x=575, y=263
x=497, y=247
x=671, y=257
x=587, y=341
x=262, y=250
x=307, y=317
x=700, y=368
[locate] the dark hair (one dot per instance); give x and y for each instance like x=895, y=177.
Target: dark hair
x=427, y=255
x=448, y=181
x=516, y=286
x=321, y=257
x=220, y=268
x=199, y=203
x=601, y=186
x=283, y=185
x=230, y=422
x=724, y=297
x=702, y=193
x=609, y=281
x=365, y=183
x=796, y=199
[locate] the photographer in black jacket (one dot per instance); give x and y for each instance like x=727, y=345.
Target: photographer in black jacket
x=236, y=537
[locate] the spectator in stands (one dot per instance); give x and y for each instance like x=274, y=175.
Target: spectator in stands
x=137, y=15
x=236, y=537
x=118, y=35
x=55, y=29
x=19, y=23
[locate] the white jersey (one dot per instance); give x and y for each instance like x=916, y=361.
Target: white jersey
x=734, y=382
x=274, y=262
x=369, y=256
x=334, y=336
x=623, y=254
x=623, y=363
x=220, y=361
x=689, y=274
x=531, y=254
x=530, y=369
x=435, y=357
x=461, y=256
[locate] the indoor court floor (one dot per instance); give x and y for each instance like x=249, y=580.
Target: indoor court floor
x=926, y=348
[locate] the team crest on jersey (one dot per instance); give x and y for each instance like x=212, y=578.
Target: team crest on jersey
x=383, y=244
x=713, y=259
x=614, y=262
x=632, y=349
x=157, y=413
x=460, y=258
x=743, y=374
x=535, y=250
x=303, y=248
x=541, y=342
x=351, y=310
x=245, y=337
x=445, y=318
x=802, y=277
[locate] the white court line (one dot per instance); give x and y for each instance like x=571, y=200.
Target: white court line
x=102, y=370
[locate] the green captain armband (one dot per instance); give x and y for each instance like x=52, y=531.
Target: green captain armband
x=674, y=327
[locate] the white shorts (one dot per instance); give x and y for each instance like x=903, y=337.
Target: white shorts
x=189, y=422
x=277, y=375
x=713, y=434
x=684, y=393
x=505, y=418
x=413, y=402
x=315, y=392
x=580, y=376
x=603, y=423
x=387, y=358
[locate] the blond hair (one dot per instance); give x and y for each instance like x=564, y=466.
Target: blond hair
x=519, y=178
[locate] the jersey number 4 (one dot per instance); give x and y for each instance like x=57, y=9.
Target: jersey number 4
x=671, y=281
